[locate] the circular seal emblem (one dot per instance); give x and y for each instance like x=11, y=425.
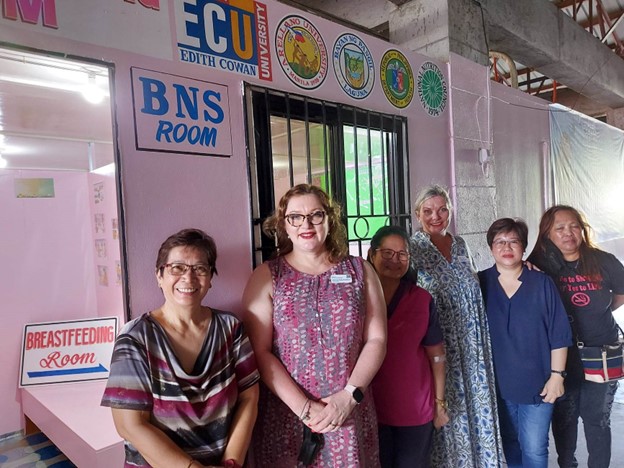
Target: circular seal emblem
x=397, y=79
x=301, y=52
x=432, y=89
x=354, y=66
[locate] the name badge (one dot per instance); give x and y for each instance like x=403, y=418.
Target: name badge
x=337, y=279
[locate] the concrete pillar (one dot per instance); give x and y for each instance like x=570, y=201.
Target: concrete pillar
x=615, y=117
x=422, y=27
x=437, y=27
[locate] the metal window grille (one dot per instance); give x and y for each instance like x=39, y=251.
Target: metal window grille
x=358, y=156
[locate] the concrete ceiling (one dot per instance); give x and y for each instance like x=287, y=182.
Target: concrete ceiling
x=543, y=37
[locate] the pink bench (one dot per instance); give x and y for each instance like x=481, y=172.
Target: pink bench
x=70, y=415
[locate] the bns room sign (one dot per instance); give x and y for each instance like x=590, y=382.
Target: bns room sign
x=180, y=115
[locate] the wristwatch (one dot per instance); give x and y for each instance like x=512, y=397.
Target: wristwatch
x=355, y=392
x=562, y=373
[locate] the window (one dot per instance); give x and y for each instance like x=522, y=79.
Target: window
x=357, y=156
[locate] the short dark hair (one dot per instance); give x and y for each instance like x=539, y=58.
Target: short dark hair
x=377, y=240
x=386, y=231
x=517, y=226
x=336, y=241
x=194, y=238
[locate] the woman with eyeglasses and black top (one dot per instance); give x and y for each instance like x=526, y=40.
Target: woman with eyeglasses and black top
x=530, y=334
x=183, y=379
x=316, y=320
x=591, y=284
x=409, y=387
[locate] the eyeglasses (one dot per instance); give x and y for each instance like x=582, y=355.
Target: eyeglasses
x=296, y=219
x=512, y=243
x=388, y=254
x=179, y=269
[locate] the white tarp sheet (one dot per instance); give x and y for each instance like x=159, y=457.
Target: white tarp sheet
x=587, y=160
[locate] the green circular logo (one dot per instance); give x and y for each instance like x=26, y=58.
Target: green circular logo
x=432, y=89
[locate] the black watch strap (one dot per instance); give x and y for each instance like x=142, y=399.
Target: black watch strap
x=562, y=373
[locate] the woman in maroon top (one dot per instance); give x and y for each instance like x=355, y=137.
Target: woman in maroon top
x=409, y=387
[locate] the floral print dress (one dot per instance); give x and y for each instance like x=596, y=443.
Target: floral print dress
x=472, y=438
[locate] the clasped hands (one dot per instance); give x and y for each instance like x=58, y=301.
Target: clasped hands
x=329, y=413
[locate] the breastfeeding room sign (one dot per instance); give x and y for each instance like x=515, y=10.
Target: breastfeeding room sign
x=69, y=351
x=180, y=115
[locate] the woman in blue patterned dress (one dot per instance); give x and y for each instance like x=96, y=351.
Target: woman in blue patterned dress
x=442, y=261
x=317, y=323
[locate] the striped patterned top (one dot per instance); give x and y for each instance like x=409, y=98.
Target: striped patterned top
x=194, y=409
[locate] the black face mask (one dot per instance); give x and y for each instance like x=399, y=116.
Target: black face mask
x=312, y=443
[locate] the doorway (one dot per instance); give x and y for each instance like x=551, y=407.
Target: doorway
x=58, y=190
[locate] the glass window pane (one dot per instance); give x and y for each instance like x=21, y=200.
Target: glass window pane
x=366, y=185
x=283, y=170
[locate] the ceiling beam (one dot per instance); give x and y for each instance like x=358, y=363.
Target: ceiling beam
x=614, y=15
x=540, y=36
x=565, y=3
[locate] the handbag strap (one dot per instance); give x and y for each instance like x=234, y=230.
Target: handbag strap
x=579, y=343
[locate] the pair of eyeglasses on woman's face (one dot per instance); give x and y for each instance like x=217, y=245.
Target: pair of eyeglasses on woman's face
x=179, y=269
x=512, y=243
x=389, y=254
x=297, y=219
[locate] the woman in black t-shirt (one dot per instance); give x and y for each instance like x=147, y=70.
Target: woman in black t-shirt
x=591, y=284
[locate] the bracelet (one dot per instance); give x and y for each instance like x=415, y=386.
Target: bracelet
x=443, y=403
x=305, y=414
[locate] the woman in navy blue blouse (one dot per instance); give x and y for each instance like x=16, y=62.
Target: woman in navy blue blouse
x=530, y=334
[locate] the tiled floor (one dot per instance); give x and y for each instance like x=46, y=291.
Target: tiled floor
x=34, y=451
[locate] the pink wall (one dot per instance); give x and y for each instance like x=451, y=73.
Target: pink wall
x=165, y=192
x=51, y=243
x=513, y=126
x=47, y=268
x=521, y=139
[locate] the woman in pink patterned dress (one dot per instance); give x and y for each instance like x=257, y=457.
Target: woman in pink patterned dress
x=316, y=320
